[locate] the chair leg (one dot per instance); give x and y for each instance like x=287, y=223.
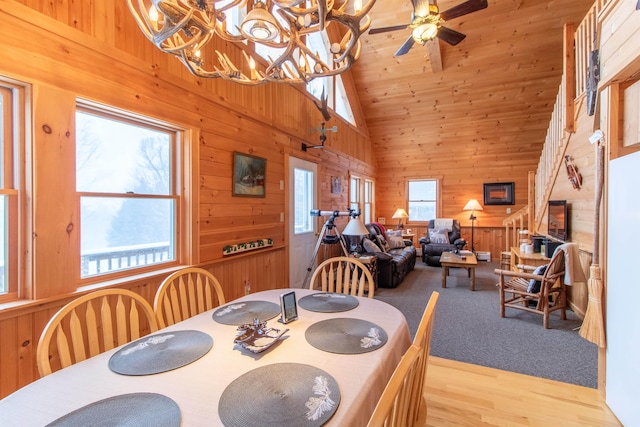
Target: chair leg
x=501, y=300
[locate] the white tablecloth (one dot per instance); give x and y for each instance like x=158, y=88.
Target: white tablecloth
x=198, y=386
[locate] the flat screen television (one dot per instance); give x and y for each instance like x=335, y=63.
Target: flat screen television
x=558, y=217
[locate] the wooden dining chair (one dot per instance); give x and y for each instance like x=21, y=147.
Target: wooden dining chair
x=92, y=324
x=343, y=275
x=541, y=293
x=394, y=407
x=185, y=293
x=422, y=340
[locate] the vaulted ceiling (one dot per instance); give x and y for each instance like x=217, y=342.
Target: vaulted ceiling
x=497, y=87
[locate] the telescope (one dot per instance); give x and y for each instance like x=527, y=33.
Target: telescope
x=351, y=212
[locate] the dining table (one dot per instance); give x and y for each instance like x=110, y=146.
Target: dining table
x=327, y=367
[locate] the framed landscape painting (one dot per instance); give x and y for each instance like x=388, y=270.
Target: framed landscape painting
x=499, y=193
x=249, y=174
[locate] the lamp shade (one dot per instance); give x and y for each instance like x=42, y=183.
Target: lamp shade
x=400, y=213
x=355, y=227
x=472, y=205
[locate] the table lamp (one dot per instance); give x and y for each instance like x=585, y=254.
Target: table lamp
x=400, y=214
x=356, y=228
x=472, y=205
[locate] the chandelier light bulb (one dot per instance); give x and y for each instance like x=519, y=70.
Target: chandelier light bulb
x=153, y=14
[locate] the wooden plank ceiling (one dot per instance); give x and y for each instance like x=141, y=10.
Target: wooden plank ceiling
x=496, y=89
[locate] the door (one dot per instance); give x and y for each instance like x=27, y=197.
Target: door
x=302, y=227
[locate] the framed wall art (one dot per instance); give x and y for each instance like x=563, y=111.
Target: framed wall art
x=336, y=185
x=249, y=174
x=499, y=193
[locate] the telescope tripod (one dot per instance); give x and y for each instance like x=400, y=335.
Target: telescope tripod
x=327, y=239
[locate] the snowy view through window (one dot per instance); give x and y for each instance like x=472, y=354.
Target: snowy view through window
x=127, y=200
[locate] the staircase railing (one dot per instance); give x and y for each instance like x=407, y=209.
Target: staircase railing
x=578, y=44
x=513, y=224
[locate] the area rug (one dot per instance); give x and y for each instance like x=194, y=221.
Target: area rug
x=468, y=327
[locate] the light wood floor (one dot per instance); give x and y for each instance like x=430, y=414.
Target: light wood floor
x=461, y=394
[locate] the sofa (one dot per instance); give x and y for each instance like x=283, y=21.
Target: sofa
x=394, y=259
x=439, y=240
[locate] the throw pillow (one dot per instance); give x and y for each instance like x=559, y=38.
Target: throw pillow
x=438, y=236
x=369, y=246
x=395, y=239
x=534, y=285
x=382, y=242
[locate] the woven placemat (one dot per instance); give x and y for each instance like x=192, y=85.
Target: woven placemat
x=346, y=336
x=160, y=352
x=280, y=395
x=328, y=302
x=126, y=410
x=239, y=313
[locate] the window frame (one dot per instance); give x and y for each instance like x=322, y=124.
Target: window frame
x=361, y=182
x=355, y=182
x=368, y=200
x=16, y=166
x=438, y=182
x=182, y=162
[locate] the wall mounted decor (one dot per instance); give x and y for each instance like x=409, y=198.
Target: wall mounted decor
x=336, y=185
x=249, y=174
x=499, y=193
x=572, y=172
x=248, y=246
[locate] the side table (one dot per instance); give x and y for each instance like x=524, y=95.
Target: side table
x=409, y=236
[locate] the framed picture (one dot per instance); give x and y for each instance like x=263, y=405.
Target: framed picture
x=499, y=193
x=336, y=185
x=249, y=174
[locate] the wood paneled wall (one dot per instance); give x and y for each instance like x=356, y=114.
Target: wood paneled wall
x=95, y=51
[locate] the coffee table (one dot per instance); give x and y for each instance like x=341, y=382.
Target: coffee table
x=467, y=261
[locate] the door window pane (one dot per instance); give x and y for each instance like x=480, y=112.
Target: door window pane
x=303, y=194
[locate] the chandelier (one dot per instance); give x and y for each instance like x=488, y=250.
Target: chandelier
x=184, y=27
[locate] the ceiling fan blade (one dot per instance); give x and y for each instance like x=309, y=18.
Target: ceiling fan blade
x=406, y=47
x=450, y=36
x=387, y=29
x=463, y=9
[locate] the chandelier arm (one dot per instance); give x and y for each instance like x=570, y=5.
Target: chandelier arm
x=187, y=26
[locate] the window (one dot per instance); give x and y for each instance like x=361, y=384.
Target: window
x=127, y=183
x=354, y=192
x=423, y=198
x=336, y=96
x=368, y=201
x=342, y=106
x=12, y=125
x=303, y=195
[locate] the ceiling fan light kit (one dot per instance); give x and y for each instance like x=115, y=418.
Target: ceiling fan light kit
x=427, y=23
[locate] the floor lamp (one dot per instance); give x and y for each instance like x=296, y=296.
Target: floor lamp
x=473, y=206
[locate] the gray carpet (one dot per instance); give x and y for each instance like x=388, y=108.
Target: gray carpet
x=468, y=327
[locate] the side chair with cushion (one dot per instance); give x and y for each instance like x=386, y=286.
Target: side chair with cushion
x=185, y=293
x=93, y=324
x=394, y=407
x=442, y=236
x=343, y=275
x=538, y=290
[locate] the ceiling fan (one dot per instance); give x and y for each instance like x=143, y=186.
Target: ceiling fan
x=426, y=23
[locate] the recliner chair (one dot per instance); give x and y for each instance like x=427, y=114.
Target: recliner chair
x=431, y=251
